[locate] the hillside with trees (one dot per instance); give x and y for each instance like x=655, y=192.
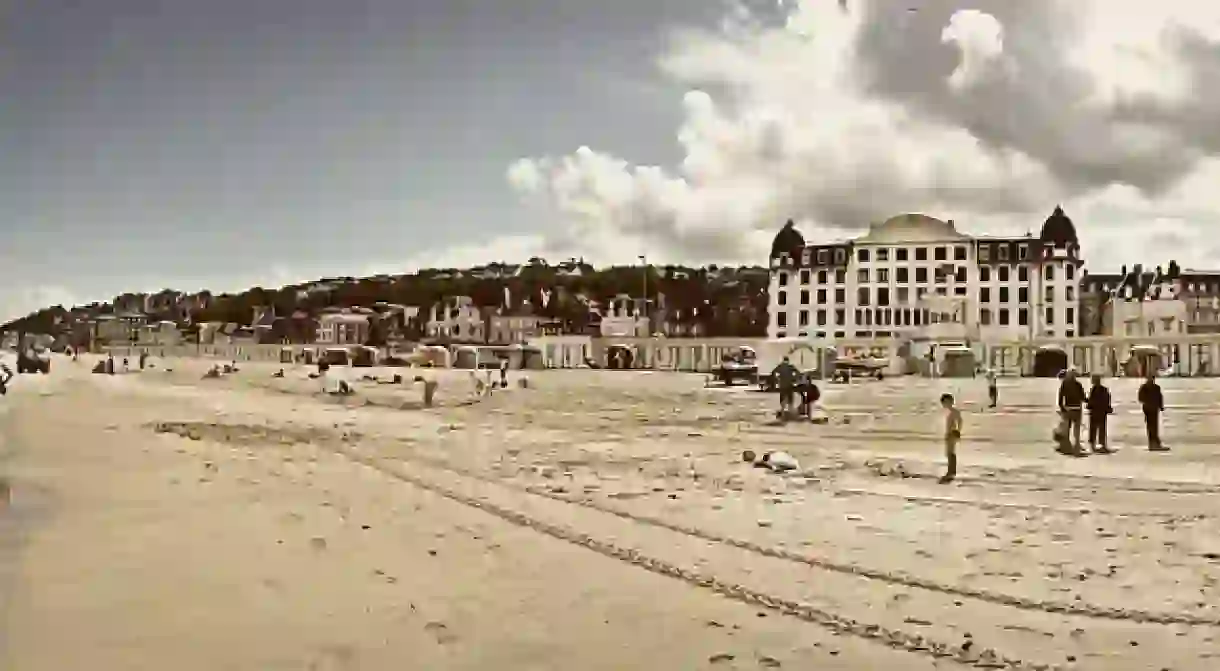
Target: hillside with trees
x=729, y=301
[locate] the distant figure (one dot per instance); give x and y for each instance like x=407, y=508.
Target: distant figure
x=776, y=462
x=809, y=394
x=1071, y=403
x=143, y=359
x=504, y=373
x=785, y=378
x=6, y=374
x=993, y=392
x=953, y=436
x=1153, y=403
x=1100, y=409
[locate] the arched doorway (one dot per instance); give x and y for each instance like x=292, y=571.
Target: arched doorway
x=619, y=357
x=1050, y=361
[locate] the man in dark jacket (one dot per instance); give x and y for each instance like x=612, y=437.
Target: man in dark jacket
x=1153, y=403
x=1100, y=409
x=785, y=379
x=1071, y=405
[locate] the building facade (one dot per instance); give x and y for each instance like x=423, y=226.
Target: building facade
x=1163, y=301
x=892, y=282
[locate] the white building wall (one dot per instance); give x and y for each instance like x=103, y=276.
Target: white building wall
x=1005, y=299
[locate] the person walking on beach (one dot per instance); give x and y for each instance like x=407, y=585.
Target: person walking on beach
x=993, y=392
x=785, y=378
x=1153, y=403
x=953, y=435
x=1071, y=404
x=504, y=373
x=1100, y=409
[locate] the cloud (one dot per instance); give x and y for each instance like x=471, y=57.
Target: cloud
x=20, y=301
x=988, y=112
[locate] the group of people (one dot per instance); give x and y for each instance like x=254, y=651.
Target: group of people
x=1074, y=402
x=790, y=383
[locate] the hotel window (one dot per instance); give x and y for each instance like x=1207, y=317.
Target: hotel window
x=783, y=279
x=921, y=253
x=804, y=277
x=961, y=274
x=883, y=296
x=1069, y=271
x=1023, y=317
x=1068, y=315
x=821, y=317
x=805, y=257
x=1003, y=273
x=1050, y=273
x=920, y=292
x=1023, y=252
x=862, y=276
x=1003, y=316
x=804, y=297
x=1022, y=294
x=821, y=297
x=1069, y=292
x=1050, y=316
x=984, y=252
x=862, y=255
x=1002, y=252
x=840, y=256
x=921, y=274
x=959, y=290
x=959, y=253
x=883, y=254
x=1048, y=295
x=883, y=275
x=900, y=254
x=822, y=257
x=840, y=317
x=783, y=298
x=904, y=295
x=840, y=276
x=985, y=317
x=941, y=254
x=984, y=274
x=862, y=296
x=840, y=296
x=1003, y=294
x=781, y=320
x=822, y=275
x=1023, y=274
x=985, y=295
x=902, y=275
x=803, y=318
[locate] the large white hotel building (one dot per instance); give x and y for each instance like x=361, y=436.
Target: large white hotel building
x=912, y=274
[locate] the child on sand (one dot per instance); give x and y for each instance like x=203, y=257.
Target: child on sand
x=953, y=434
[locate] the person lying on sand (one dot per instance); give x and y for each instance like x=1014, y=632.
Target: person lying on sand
x=776, y=462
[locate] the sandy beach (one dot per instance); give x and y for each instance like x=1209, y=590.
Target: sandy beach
x=594, y=519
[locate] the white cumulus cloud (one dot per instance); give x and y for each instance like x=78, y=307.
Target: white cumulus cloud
x=987, y=112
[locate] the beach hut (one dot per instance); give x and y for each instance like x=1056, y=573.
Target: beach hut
x=957, y=361
x=466, y=357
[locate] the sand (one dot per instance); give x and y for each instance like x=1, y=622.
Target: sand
x=595, y=519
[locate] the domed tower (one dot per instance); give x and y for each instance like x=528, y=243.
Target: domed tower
x=1059, y=230
x=1059, y=280
x=788, y=241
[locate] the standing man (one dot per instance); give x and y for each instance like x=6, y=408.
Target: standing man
x=993, y=392
x=785, y=378
x=953, y=435
x=1071, y=405
x=1153, y=402
x=1100, y=408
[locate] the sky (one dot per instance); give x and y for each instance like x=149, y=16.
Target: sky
x=147, y=144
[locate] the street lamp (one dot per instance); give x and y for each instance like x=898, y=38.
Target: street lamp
x=644, y=265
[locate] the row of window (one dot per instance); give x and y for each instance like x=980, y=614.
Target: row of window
x=902, y=274
x=1002, y=317
x=865, y=254
x=864, y=295
x=884, y=316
